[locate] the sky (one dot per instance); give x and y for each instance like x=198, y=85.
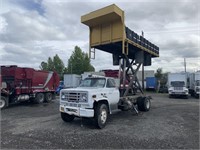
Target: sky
x=33, y=30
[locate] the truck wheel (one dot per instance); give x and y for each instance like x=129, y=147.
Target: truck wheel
x=143, y=103
x=39, y=98
x=48, y=97
x=3, y=102
x=192, y=94
x=196, y=96
x=66, y=117
x=101, y=115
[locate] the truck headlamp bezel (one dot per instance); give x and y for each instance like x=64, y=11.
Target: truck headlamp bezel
x=63, y=96
x=83, y=97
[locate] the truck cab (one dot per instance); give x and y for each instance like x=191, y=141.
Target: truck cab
x=177, y=85
x=178, y=88
x=95, y=97
x=197, y=88
x=194, y=87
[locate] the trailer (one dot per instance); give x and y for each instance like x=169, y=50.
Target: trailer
x=26, y=84
x=194, y=84
x=97, y=97
x=151, y=83
x=71, y=80
x=177, y=84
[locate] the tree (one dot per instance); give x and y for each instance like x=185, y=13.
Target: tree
x=161, y=77
x=159, y=73
x=54, y=64
x=50, y=64
x=44, y=66
x=79, y=62
x=58, y=65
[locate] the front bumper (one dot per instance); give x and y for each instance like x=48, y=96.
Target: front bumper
x=178, y=93
x=198, y=91
x=76, y=111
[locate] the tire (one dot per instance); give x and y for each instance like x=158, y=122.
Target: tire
x=48, y=97
x=143, y=104
x=170, y=96
x=39, y=98
x=66, y=117
x=196, y=96
x=101, y=115
x=192, y=94
x=3, y=102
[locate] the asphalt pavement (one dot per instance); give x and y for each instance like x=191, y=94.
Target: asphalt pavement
x=170, y=124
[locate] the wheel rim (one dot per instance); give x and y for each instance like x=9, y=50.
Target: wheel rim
x=147, y=103
x=49, y=97
x=103, y=116
x=2, y=103
x=41, y=98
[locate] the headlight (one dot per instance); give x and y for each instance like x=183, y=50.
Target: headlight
x=83, y=97
x=63, y=96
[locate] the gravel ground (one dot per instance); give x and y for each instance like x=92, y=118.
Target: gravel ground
x=170, y=124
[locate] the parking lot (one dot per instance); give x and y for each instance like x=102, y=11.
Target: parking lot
x=170, y=124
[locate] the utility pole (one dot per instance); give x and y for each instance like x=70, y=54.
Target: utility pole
x=185, y=64
x=143, y=68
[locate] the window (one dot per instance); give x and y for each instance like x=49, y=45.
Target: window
x=177, y=83
x=93, y=82
x=197, y=82
x=110, y=83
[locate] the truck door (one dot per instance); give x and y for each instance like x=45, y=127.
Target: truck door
x=112, y=93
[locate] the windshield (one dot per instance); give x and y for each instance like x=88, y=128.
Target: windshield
x=93, y=82
x=177, y=83
x=198, y=83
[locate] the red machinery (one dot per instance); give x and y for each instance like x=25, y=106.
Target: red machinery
x=115, y=74
x=22, y=84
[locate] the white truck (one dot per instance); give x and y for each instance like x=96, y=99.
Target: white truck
x=96, y=98
x=194, y=86
x=177, y=84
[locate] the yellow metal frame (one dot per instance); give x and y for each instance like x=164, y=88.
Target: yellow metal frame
x=106, y=26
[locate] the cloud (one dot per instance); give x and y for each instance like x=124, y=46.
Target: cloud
x=33, y=30
x=24, y=27
x=26, y=55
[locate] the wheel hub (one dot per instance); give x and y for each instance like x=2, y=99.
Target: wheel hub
x=147, y=103
x=2, y=103
x=103, y=116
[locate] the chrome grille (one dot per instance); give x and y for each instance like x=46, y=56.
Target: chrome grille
x=74, y=96
x=178, y=88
